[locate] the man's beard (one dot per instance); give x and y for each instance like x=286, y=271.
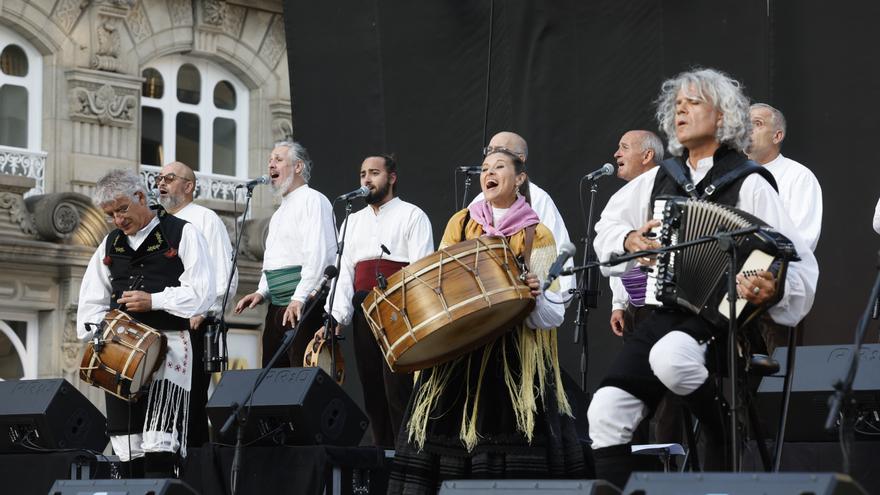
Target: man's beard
x=169, y=202
x=281, y=189
x=377, y=196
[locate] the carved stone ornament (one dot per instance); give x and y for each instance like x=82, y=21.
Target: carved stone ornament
x=107, y=32
x=137, y=22
x=103, y=106
x=67, y=12
x=18, y=212
x=53, y=215
x=213, y=12
x=181, y=12
x=282, y=129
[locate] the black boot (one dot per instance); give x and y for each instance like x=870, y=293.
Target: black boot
x=615, y=464
x=709, y=406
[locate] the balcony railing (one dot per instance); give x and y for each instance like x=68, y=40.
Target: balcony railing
x=25, y=163
x=208, y=186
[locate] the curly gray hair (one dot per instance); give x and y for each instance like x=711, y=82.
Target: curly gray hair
x=118, y=183
x=716, y=88
x=296, y=151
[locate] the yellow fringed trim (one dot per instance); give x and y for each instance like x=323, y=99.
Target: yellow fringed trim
x=468, y=433
x=426, y=396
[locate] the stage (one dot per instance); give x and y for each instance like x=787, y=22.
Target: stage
x=361, y=470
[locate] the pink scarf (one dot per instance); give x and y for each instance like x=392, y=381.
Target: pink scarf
x=519, y=216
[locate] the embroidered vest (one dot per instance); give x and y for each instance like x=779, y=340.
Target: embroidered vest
x=156, y=261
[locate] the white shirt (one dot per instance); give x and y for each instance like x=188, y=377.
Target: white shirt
x=300, y=234
x=401, y=227
x=801, y=195
x=193, y=297
x=628, y=209
x=549, y=215
x=619, y=296
x=877, y=218
x=219, y=249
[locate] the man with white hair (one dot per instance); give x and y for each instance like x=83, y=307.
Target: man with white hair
x=637, y=152
x=704, y=115
x=300, y=244
x=156, y=268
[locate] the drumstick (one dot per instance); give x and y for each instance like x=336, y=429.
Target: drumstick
x=135, y=281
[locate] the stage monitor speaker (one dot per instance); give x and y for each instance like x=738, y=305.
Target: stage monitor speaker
x=293, y=406
x=122, y=487
x=48, y=414
x=816, y=369
x=742, y=484
x=528, y=487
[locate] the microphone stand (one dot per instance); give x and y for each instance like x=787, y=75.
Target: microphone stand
x=215, y=360
x=340, y=246
x=587, y=289
x=842, y=401
x=467, y=187
x=240, y=411
x=727, y=244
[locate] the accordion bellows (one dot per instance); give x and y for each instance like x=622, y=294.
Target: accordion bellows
x=695, y=277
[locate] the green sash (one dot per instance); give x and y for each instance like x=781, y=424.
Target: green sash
x=282, y=284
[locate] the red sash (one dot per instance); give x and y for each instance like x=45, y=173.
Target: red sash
x=365, y=272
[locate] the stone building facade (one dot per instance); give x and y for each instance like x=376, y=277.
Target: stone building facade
x=87, y=86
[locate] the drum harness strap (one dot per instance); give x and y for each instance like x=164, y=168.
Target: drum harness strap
x=527, y=246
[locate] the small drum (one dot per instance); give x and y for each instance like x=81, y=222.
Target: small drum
x=448, y=303
x=123, y=359
x=318, y=356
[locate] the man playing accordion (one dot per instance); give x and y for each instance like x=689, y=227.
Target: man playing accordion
x=705, y=117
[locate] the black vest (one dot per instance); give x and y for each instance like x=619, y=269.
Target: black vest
x=725, y=160
x=156, y=260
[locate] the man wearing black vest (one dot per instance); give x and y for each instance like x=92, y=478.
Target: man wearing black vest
x=705, y=117
x=155, y=267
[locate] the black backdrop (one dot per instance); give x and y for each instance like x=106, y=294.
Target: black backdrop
x=571, y=77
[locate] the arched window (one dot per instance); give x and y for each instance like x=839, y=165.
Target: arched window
x=21, y=74
x=196, y=112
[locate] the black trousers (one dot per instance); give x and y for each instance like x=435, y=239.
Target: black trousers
x=273, y=335
x=385, y=393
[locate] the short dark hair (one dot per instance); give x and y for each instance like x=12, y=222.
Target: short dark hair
x=390, y=160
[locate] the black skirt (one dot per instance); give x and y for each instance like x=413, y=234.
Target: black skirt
x=502, y=451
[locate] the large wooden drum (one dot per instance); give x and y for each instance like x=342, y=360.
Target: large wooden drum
x=448, y=303
x=124, y=357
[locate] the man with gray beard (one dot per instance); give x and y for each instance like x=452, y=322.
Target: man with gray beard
x=176, y=184
x=301, y=242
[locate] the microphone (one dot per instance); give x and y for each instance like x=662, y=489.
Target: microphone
x=566, y=251
x=329, y=274
x=381, y=281
x=360, y=192
x=471, y=170
x=263, y=179
x=607, y=169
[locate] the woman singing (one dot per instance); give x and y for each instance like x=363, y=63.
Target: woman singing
x=499, y=411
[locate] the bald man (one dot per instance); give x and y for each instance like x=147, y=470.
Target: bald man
x=176, y=183
x=539, y=199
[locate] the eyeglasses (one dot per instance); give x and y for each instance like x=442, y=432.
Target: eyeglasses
x=488, y=150
x=169, y=178
x=118, y=212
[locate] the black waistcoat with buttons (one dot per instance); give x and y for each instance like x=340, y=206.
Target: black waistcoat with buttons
x=725, y=160
x=156, y=261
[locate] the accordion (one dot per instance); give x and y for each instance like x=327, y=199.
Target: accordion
x=695, y=277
